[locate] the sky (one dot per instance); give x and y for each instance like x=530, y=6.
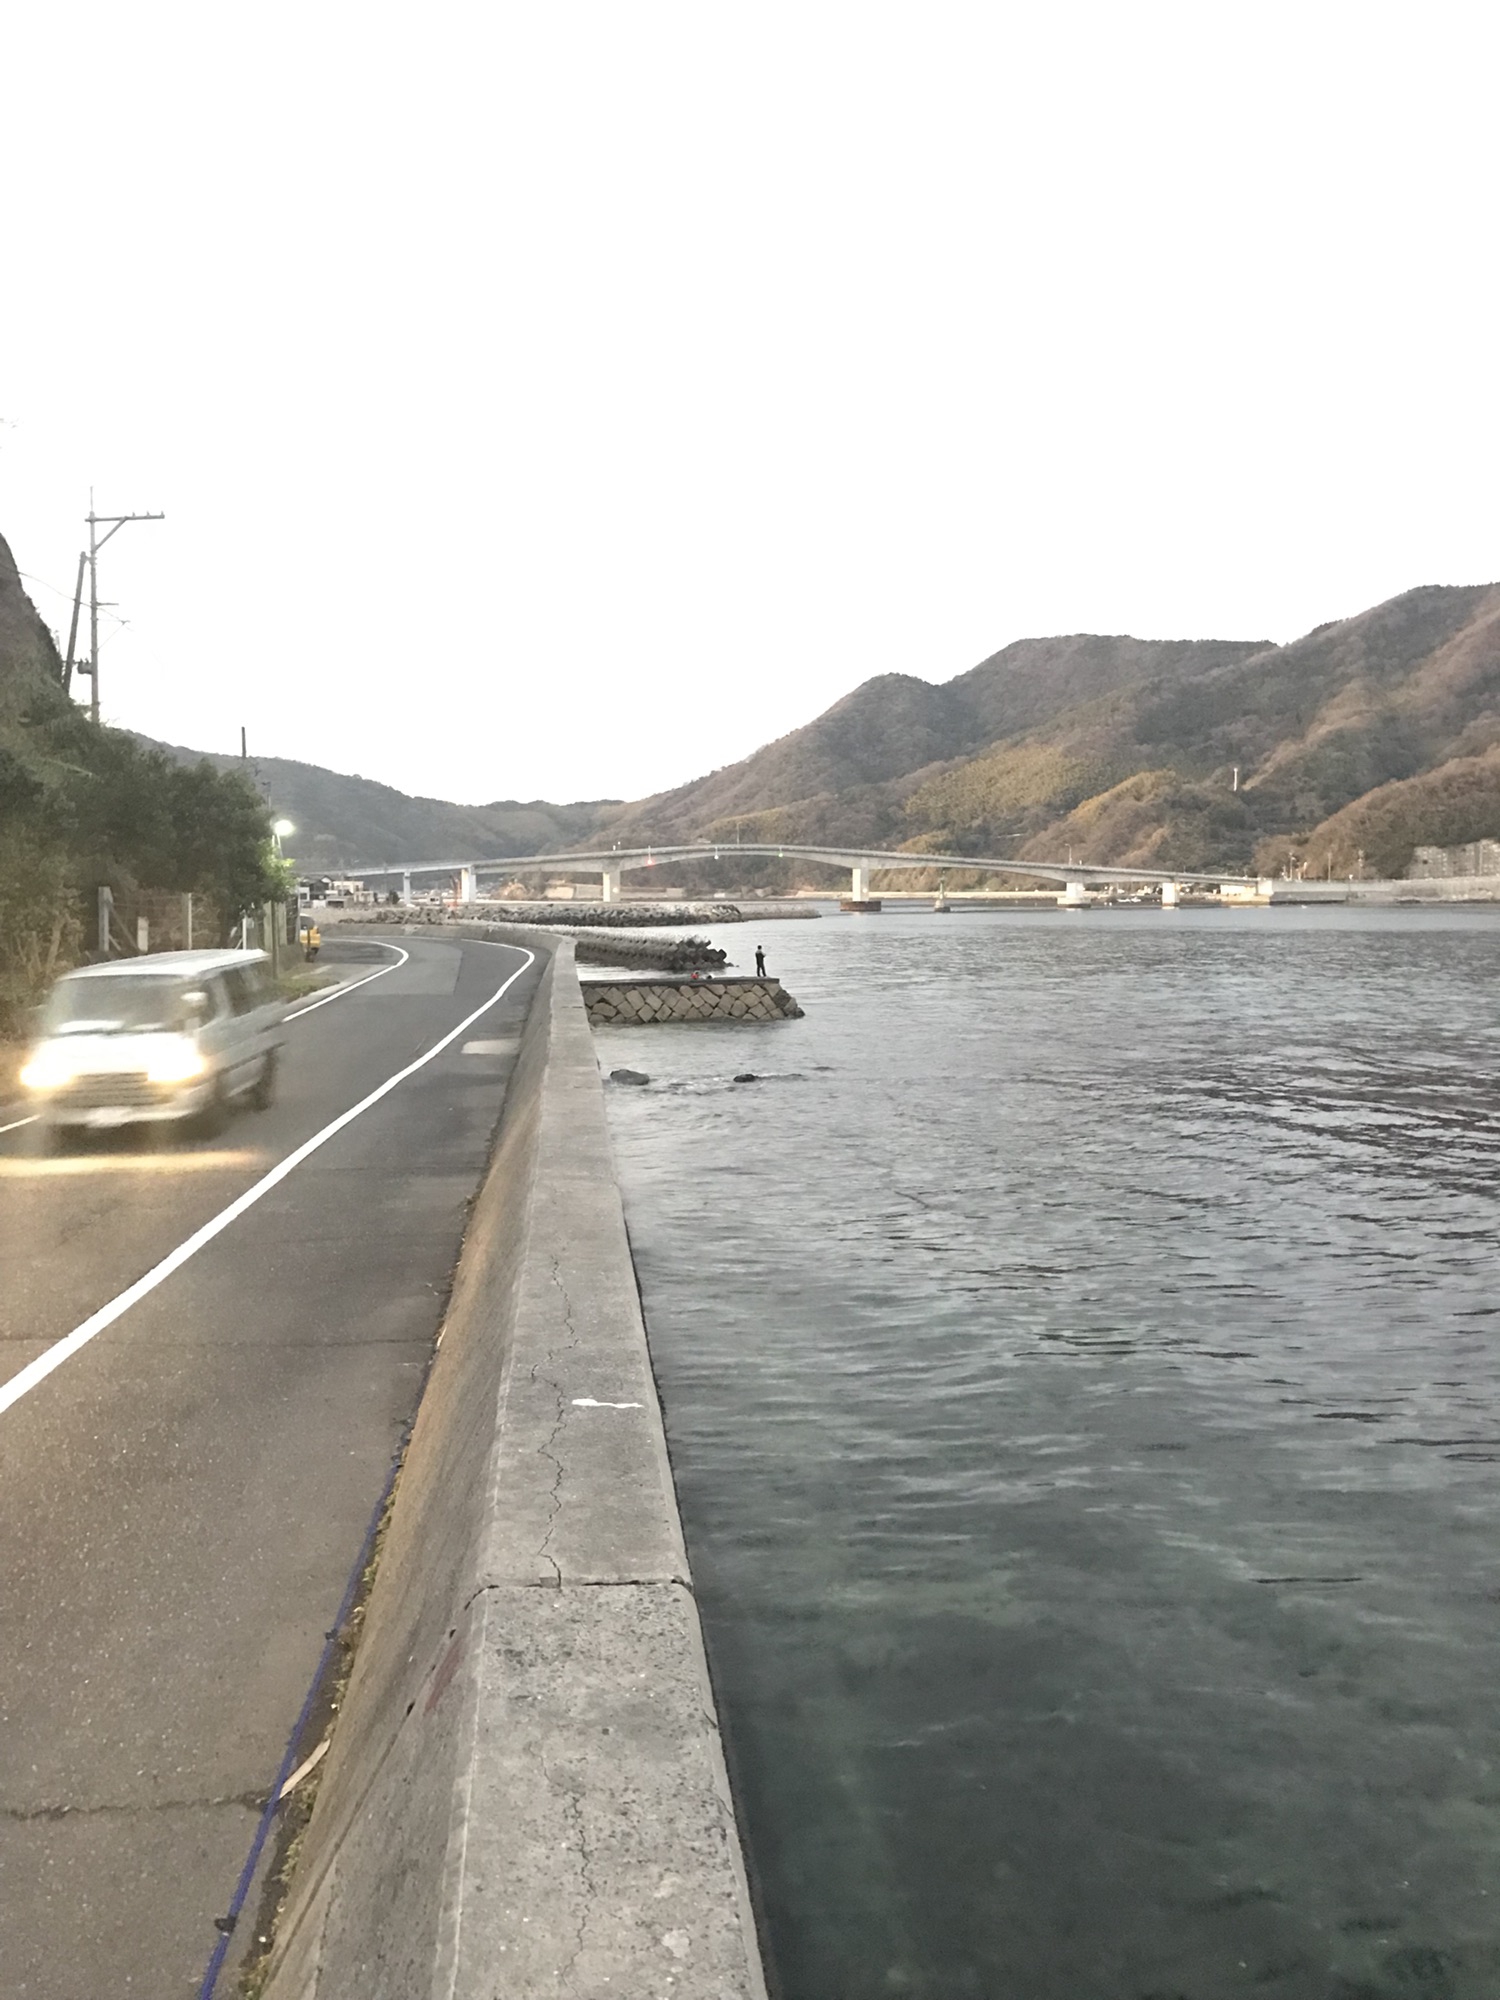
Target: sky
x=561, y=400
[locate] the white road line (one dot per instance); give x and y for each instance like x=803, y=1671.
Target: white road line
x=62, y=1350
x=16, y=1125
x=353, y=985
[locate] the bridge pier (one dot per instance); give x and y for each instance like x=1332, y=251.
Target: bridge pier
x=406, y=887
x=858, y=884
x=468, y=887
x=1075, y=896
x=1169, y=895
x=610, y=892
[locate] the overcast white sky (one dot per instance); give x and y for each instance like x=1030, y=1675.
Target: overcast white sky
x=559, y=400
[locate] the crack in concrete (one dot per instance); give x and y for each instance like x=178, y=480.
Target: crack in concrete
x=24, y=1815
x=573, y=1809
x=554, y=1493
x=581, y=1583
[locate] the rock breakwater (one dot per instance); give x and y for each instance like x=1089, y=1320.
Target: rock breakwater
x=608, y=916
x=688, y=954
x=641, y=1002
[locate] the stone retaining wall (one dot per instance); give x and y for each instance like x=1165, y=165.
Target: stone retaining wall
x=635, y=1002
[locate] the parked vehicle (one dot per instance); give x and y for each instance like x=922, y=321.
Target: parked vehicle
x=168, y=1037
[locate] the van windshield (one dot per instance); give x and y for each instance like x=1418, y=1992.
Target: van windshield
x=135, y=1004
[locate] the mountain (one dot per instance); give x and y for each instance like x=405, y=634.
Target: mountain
x=30, y=669
x=1398, y=692
x=342, y=821
x=1370, y=735
x=850, y=774
x=1163, y=753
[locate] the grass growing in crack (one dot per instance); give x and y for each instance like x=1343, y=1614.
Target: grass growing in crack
x=296, y=1813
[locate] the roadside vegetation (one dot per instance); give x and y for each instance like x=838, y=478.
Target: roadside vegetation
x=84, y=807
x=303, y=981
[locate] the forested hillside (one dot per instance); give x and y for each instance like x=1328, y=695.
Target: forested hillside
x=83, y=807
x=342, y=821
x=1342, y=750
x=1165, y=753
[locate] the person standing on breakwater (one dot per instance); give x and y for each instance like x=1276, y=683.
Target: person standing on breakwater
x=760, y=962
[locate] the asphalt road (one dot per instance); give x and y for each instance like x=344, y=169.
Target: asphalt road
x=185, y=1494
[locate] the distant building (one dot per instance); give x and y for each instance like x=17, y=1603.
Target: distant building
x=1477, y=857
x=331, y=890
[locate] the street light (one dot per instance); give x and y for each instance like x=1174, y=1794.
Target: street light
x=280, y=830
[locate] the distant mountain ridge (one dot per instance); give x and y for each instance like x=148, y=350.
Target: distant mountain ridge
x=343, y=820
x=1191, y=754
x=850, y=773
x=1163, y=753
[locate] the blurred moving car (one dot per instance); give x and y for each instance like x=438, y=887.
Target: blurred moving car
x=171, y=1036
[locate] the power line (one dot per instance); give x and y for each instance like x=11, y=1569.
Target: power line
x=90, y=558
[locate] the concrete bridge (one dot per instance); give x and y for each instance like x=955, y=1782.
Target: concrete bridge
x=612, y=864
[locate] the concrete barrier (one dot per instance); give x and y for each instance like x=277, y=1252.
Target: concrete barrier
x=525, y=1793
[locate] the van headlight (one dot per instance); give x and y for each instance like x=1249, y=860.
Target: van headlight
x=48, y=1069
x=180, y=1064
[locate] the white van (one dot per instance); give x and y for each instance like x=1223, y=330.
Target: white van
x=172, y=1035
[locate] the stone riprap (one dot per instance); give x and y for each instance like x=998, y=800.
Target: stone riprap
x=636, y=1002
x=582, y=916
x=653, y=954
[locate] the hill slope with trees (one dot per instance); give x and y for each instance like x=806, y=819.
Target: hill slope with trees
x=1368, y=736
x=1231, y=754
x=83, y=807
x=343, y=821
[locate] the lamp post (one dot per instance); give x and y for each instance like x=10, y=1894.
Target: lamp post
x=281, y=829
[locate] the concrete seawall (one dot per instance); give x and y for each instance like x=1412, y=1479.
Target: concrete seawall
x=525, y=1794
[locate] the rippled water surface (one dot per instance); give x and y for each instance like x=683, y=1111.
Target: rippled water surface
x=1079, y=1355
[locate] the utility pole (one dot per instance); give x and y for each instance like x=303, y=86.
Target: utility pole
x=113, y=523
x=73, y=626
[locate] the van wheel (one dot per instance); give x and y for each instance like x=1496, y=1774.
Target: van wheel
x=263, y=1091
x=214, y=1116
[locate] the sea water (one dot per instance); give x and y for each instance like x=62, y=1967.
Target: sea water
x=1079, y=1356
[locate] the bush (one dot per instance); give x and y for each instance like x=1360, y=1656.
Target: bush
x=82, y=807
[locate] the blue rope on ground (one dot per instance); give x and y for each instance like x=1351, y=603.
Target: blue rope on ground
x=226, y=1924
